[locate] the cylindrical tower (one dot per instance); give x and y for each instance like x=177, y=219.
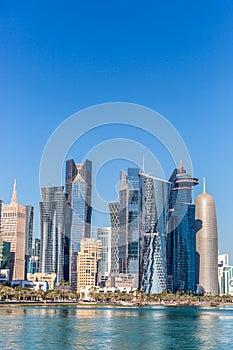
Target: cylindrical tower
x=206, y=243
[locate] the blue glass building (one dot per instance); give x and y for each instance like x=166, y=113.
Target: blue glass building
x=181, y=241
x=78, y=189
x=154, y=221
x=54, y=213
x=133, y=231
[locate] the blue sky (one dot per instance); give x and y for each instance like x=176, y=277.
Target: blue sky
x=172, y=56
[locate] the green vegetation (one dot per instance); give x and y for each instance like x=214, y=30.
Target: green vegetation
x=63, y=293
x=27, y=294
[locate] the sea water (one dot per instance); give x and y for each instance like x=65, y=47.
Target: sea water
x=75, y=327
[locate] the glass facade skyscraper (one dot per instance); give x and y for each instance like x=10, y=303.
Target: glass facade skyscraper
x=104, y=235
x=181, y=241
x=54, y=214
x=114, y=209
x=123, y=230
x=152, y=243
x=133, y=222
x=78, y=189
x=29, y=234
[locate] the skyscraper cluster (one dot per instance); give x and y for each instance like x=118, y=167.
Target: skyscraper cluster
x=159, y=239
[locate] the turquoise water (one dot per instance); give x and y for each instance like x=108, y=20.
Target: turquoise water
x=116, y=328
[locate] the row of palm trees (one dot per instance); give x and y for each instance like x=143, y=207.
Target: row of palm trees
x=139, y=297
x=28, y=294
x=65, y=294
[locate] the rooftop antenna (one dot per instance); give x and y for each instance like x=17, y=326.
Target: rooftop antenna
x=143, y=167
x=204, y=185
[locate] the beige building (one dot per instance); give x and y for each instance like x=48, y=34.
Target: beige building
x=50, y=278
x=206, y=243
x=14, y=231
x=87, y=262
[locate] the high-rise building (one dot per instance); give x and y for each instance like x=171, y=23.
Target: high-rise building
x=54, y=214
x=181, y=243
x=36, y=248
x=78, y=189
x=104, y=235
x=224, y=280
x=29, y=229
x=87, y=262
x=206, y=243
x=133, y=229
x=5, y=248
x=0, y=214
x=14, y=232
x=29, y=234
x=114, y=209
x=123, y=231
x=152, y=241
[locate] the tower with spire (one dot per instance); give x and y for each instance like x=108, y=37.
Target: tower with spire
x=181, y=243
x=206, y=242
x=14, y=232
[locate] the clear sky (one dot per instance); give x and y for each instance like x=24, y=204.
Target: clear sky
x=175, y=57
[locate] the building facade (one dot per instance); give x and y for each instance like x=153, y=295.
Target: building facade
x=29, y=234
x=87, y=262
x=206, y=244
x=14, y=232
x=5, y=254
x=133, y=229
x=78, y=189
x=114, y=209
x=104, y=235
x=123, y=229
x=181, y=242
x=54, y=214
x=152, y=242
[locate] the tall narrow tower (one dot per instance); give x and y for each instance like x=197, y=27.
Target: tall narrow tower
x=78, y=189
x=206, y=243
x=14, y=231
x=181, y=236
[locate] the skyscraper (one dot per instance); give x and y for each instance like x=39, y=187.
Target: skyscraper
x=0, y=215
x=114, y=209
x=29, y=233
x=207, y=243
x=123, y=230
x=104, y=235
x=29, y=229
x=14, y=232
x=152, y=241
x=181, y=243
x=78, y=189
x=54, y=213
x=133, y=228
x=5, y=254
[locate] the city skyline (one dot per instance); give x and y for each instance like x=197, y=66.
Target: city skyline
x=89, y=55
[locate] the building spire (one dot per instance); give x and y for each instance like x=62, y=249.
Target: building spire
x=143, y=166
x=14, y=199
x=204, y=185
x=181, y=168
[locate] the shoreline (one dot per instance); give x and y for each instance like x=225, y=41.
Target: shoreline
x=103, y=304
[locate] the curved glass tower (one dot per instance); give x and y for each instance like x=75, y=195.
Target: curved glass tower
x=181, y=242
x=206, y=243
x=154, y=219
